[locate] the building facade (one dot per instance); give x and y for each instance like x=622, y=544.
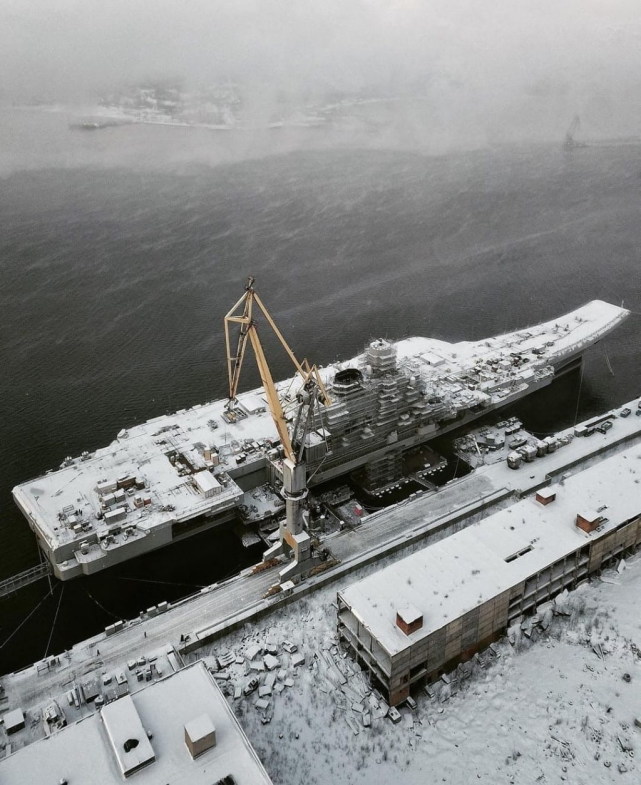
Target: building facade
x=418, y=618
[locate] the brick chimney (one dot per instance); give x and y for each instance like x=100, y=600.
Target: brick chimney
x=588, y=521
x=545, y=495
x=409, y=619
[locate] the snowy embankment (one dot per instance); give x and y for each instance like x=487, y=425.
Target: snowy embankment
x=555, y=704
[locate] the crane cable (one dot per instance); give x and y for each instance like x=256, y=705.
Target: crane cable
x=26, y=619
x=102, y=607
x=607, y=359
x=165, y=583
x=324, y=458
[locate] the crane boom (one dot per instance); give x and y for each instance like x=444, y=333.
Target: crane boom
x=249, y=330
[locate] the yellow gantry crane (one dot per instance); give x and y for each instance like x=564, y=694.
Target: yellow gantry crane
x=312, y=391
x=310, y=376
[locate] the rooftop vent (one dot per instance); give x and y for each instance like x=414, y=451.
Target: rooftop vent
x=409, y=619
x=14, y=721
x=200, y=735
x=520, y=553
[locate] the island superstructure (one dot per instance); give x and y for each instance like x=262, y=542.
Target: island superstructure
x=179, y=474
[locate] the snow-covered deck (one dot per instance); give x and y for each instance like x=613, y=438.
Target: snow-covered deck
x=555, y=339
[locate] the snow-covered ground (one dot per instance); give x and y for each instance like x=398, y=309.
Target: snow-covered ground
x=552, y=706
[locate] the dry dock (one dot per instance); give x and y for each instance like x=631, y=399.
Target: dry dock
x=187, y=624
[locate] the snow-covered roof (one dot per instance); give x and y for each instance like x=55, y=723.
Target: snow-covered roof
x=83, y=751
x=129, y=741
x=547, y=493
x=451, y=577
x=589, y=515
x=206, y=481
x=13, y=720
x=409, y=614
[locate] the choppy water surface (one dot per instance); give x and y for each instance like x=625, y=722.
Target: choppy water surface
x=121, y=250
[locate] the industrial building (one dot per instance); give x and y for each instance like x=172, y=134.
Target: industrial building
x=416, y=619
x=179, y=730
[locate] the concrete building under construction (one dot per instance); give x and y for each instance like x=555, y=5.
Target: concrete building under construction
x=418, y=618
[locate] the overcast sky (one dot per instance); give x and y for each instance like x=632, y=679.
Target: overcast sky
x=513, y=60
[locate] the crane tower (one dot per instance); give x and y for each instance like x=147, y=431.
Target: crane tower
x=294, y=538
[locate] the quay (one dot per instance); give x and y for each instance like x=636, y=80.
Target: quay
x=164, y=631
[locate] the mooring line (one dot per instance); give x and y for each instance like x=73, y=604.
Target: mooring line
x=55, y=617
x=26, y=619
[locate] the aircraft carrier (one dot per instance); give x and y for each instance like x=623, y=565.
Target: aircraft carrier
x=216, y=463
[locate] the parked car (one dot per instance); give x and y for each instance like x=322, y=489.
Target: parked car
x=251, y=686
x=394, y=714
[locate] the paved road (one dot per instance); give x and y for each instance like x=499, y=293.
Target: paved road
x=26, y=688
x=415, y=517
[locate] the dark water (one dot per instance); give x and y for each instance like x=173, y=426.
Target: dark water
x=121, y=250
